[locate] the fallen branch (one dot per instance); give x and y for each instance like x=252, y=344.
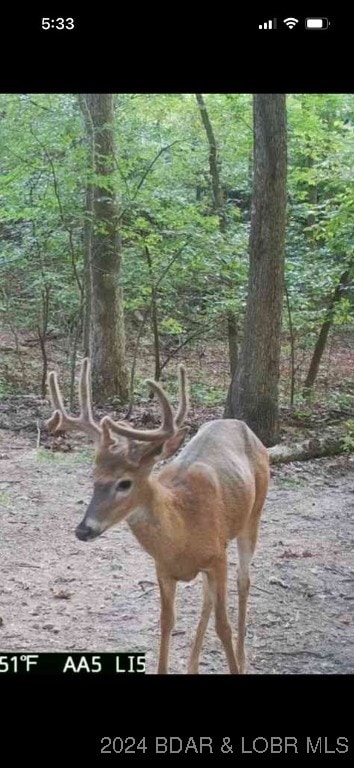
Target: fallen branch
x=254, y=586
x=296, y=653
x=26, y=565
x=145, y=592
x=313, y=448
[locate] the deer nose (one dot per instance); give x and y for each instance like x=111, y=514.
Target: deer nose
x=85, y=532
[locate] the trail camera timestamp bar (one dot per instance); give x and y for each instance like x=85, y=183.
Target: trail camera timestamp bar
x=79, y=664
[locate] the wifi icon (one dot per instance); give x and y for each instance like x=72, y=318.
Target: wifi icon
x=291, y=23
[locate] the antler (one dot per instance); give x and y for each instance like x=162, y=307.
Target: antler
x=170, y=422
x=60, y=420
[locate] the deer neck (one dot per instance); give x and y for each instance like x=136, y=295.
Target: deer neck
x=155, y=520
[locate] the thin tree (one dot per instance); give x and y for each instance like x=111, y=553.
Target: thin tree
x=338, y=293
x=107, y=337
x=253, y=393
x=220, y=210
x=88, y=223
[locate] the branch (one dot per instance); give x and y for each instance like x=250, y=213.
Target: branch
x=145, y=174
x=169, y=265
x=61, y=211
x=149, y=168
x=189, y=338
x=142, y=324
x=41, y=106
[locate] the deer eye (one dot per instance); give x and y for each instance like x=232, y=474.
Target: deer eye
x=124, y=485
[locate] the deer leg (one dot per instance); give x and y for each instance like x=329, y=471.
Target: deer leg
x=218, y=584
x=167, y=619
x=193, y=665
x=246, y=545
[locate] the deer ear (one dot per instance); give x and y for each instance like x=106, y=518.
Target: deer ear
x=172, y=445
x=107, y=440
x=141, y=453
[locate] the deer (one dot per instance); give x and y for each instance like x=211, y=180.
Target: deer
x=186, y=514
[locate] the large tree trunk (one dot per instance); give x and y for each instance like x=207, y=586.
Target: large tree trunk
x=107, y=343
x=253, y=393
x=323, y=334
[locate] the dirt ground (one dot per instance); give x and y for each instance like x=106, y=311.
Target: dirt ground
x=59, y=594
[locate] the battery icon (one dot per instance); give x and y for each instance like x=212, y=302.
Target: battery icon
x=317, y=23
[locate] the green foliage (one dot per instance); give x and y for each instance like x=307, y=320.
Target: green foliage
x=195, y=272
x=341, y=399
x=5, y=498
x=209, y=275
x=41, y=199
x=205, y=394
x=290, y=482
x=82, y=456
x=320, y=210
x=348, y=439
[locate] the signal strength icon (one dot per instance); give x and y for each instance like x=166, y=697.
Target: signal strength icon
x=291, y=23
x=271, y=24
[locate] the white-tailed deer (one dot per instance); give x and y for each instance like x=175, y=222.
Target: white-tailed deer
x=184, y=517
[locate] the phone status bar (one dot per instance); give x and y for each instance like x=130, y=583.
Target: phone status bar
x=310, y=23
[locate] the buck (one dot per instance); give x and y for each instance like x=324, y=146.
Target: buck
x=185, y=515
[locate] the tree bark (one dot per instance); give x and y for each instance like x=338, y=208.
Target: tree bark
x=323, y=334
x=253, y=393
x=232, y=333
x=107, y=343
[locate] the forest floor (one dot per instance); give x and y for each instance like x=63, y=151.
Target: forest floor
x=59, y=594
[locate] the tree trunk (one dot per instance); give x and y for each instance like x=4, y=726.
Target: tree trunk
x=42, y=335
x=232, y=332
x=253, y=393
x=323, y=334
x=219, y=208
x=292, y=347
x=88, y=227
x=154, y=317
x=88, y=224
x=109, y=375
x=218, y=196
